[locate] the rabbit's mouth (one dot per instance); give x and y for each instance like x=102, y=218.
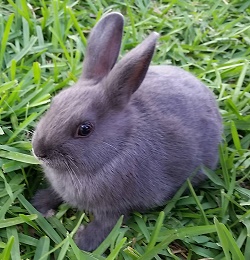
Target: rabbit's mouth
x=45, y=161
x=51, y=160
x=58, y=161
x=41, y=159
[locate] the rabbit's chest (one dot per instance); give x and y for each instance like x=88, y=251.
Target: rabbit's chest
x=73, y=191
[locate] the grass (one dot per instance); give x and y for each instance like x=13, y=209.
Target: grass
x=42, y=47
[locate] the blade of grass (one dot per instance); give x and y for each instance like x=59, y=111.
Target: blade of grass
x=42, y=248
x=81, y=254
x=240, y=81
x=7, y=249
x=41, y=221
x=15, y=221
x=15, y=251
x=5, y=37
x=177, y=234
x=24, y=51
x=228, y=243
x=20, y=157
x=203, y=214
x=116, y=250
x=236, y=138
x=156, y=231
x=112, y=235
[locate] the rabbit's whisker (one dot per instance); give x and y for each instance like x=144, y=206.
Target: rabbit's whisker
x=72, y=161
x=71, y=173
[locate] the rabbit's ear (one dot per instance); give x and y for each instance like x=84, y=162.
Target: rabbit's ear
x=103, y=47
x=127, y=75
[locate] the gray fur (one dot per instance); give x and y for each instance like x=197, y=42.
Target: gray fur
x=153, y=128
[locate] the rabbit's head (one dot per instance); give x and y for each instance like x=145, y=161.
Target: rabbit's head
x=88, y=123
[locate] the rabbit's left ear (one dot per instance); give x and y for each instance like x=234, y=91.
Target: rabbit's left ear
x=128, y=74
x=103, y=47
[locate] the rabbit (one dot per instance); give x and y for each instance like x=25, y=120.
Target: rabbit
x=125, y=136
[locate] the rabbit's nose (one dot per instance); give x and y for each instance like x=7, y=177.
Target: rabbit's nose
x=39, y=148
x=40, y=155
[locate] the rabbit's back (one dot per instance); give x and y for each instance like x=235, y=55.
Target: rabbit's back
x=184, y=114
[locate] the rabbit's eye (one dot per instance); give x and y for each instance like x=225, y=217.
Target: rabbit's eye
x=85, y=129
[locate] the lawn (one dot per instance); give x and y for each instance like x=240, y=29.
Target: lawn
x=42, y=48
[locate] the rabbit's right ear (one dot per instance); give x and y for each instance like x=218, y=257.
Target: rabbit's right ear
x=103, y=47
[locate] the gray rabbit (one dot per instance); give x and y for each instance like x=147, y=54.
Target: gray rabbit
x=126, y=136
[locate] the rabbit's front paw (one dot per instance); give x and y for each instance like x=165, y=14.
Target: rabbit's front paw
x=45, y=201
x=90, y=237
x=87, y=238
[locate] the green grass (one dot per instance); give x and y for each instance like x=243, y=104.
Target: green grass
x=42, y=44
